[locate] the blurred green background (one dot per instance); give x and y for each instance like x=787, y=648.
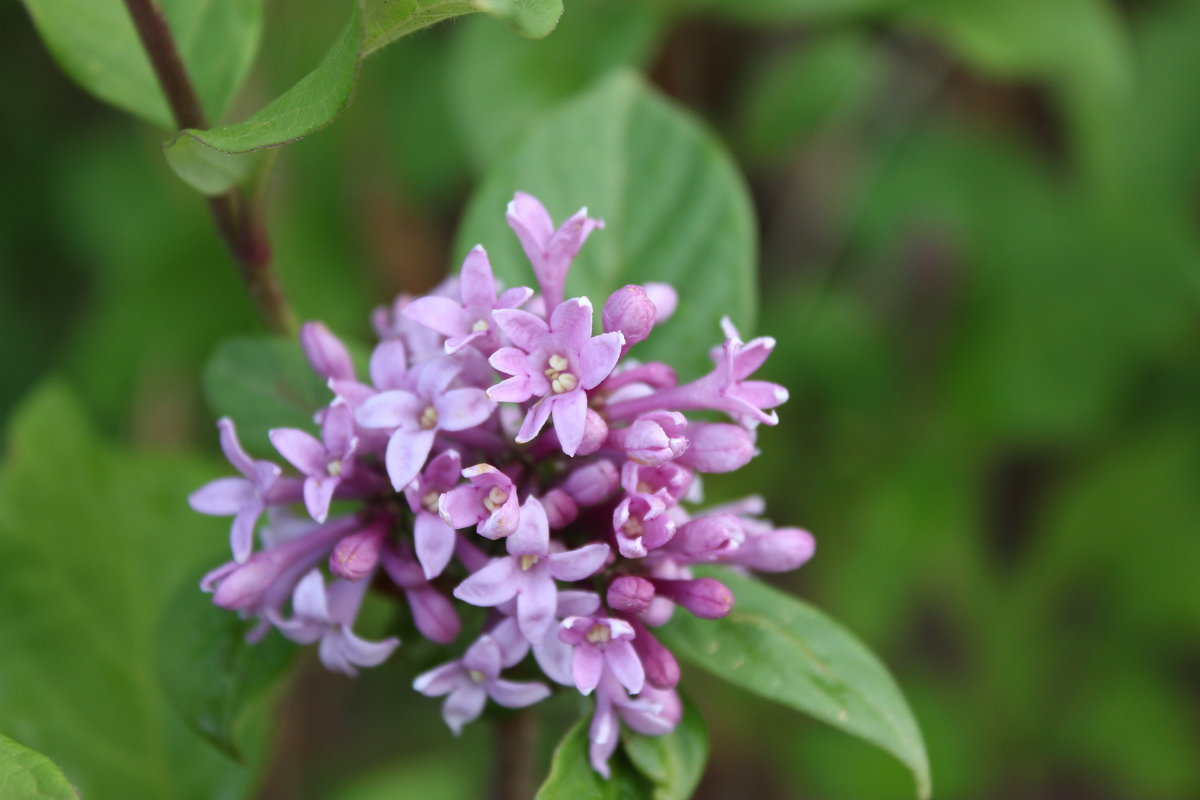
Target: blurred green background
x=979, y=254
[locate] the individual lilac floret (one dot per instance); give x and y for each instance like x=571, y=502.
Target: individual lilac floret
x=327, y=614
x=630, y=311
x=529, y=571
x=602, y=644
x=415, y=417
x=244, y=498
x=470, y=681
x=471, y=322
x=654, y=438
x=653, y=714
x=325, y=352
x=433, y=538
x=550, y=251
x=489, y=502
x=556, y=363
x=724, y=389
x=324, y=464
x=641, y=524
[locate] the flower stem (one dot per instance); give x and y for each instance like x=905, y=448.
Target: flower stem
x=514, y=756
x=237, y=216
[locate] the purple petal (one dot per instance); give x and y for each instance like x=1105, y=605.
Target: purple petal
x=510, y=361
x=511, y=694
x=492, y=585
x=434, y=543
x=223, y=497
x=572, y=321
x=440, y=680
x=318, y=493
x=570, y=419
x=504, y=520
x=554, y=657
x=524, y=329
x=511, y=390
x=587, y=664
x=406, y=454
x=438, y=313
x=603, y=734
x=575, y=565
x=233, y=448
x=433, y=614
x=625, y=665
x=309, y=599
x=597, y=358
x=463, y=705
x=435, y=375
x=456, y=343
x=460, y=507
x=392, y=409
x=241, y=533
x=325, y=352
x=575, y=603
x=459, y=409
x=535, y=605
x=389, y=365
x=338, y=431
x=532, y=536
x=301, y=449
x=514, y=297
x=484, y=655
x=531, y=222
x=513, y=646
x=443, y=470
x=477, y=282
x=535, y=420
x=364, y=653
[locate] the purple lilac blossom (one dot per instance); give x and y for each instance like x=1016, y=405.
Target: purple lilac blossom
x=451, y=491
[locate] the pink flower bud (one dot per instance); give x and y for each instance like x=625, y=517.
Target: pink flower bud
x=595, y=431
x=662, y=670
x=653, y=438
x=561, y=510
x=630, y=311
x=356, y=556
x=707, y=598
x=325, y=352
x=708, y=538
x=630, y=593
x=776, y=550
x=592, y=483
x=718, y=447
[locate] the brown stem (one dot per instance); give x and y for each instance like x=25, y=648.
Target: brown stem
x=237, y=217
x=515, y=756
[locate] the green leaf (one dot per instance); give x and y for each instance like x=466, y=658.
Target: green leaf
x=572, y=777
x=263, y=383
x=774, y=12
x=95, y=43
x=674, y=206
x=674, y=763
x=499, y=82
x=211, y=674
x=93, y=542
x=213, y=161
x=29, y=775
x=787, y=651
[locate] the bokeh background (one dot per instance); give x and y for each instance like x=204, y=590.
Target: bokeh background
x=979, y=254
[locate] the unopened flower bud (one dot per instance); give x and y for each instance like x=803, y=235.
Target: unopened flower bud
x=662, y=670
x=777, y=550
x=630, y=311
x=718, y=447
x=665, y=299
x=653, y=438
x=630, y=593
x=592, y=483
x=561, y=509
x=595, y=431
x=707, y=598
x=325, y=352
x=356, y=556
x=708, y=538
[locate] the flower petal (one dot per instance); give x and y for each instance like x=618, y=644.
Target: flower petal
x=597, y=358
x=391, y=409
x=434, y=543
x=513, y=646
x=476, y=281
x=484, y=655
x=463, y=705
x=492, y=585
x=532, y=536
x=587, y=664
x=531, y=222
x=572, y=322
x=514, y=297
x=389, y=365
x=535, y=605
x=433, y=614
x=406, y=454
x=364, y=653
x=438, y=313
x=535, y=420
x=625, y=665
x=434, y=375
x=459, y=409
x=241, y=533
x=233, y=448
x=223, y=497
x=524, y=329
x=570, y=419
x=512, y=694
x=301, y=449
x=575, y=565
x=440, y=680
x=318, y=493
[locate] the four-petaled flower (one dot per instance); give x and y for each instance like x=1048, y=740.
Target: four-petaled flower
x=324, y=465
x=602, y=643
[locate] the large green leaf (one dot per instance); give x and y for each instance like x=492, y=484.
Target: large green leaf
x=94, y=41
x=674, y=206
x=572, y=777
x=263, y=383
x=92, y=544
x=673, y=763
x=213, y=677
x=787, y=651
x=214, y=160
x=29, y=775
x=499, y=82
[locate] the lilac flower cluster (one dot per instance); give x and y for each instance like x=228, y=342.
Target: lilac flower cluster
x=437, y=461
